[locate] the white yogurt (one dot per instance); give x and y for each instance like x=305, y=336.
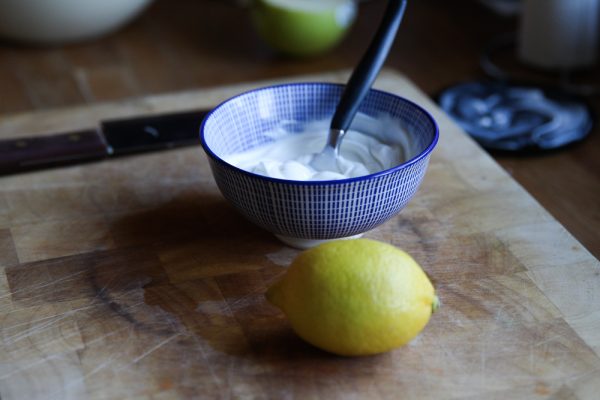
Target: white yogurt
x=289, y=155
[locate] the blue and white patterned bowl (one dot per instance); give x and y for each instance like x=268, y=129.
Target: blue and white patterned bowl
x=303, y=213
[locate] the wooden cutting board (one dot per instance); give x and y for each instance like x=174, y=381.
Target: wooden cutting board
x=133, y=278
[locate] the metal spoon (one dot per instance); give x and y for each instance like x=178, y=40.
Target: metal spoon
x=359, y=84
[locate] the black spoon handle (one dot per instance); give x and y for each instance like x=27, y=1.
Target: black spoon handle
x=369, y=66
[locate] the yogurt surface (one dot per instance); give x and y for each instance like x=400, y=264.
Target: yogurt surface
x=289, y=155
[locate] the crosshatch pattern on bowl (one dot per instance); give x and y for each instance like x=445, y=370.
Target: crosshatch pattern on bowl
x=284, y=103
x=234, y=127
x=320, y=211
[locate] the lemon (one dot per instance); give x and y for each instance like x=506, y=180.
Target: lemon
x=355, y=297
x=303, y=27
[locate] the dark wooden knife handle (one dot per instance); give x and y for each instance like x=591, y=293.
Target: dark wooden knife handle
x=23, y=154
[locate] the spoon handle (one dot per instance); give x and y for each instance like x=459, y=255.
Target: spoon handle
x=369, y=66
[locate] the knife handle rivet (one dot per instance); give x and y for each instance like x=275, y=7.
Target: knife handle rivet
x=21, y=144
x=74, y=137
x=151, y=131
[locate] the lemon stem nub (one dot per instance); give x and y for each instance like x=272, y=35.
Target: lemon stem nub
x=436, y=304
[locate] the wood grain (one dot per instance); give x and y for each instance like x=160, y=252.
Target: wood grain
x=133, y=278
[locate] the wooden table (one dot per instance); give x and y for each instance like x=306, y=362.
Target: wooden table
x=200, y=43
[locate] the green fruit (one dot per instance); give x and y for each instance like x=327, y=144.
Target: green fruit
x=303, y=27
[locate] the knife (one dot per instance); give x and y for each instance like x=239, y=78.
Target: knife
x=111, y=138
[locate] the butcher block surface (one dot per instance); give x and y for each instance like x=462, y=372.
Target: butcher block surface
x=132, y=278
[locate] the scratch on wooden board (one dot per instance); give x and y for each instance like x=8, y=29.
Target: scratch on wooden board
x=531, y=358
x=81, y=79
x=239, y=304
x=20, y=369
x=219, y=307
x=57, y=318
x=208, y=364
x=43, y=285
x=89, y=342
x=226, y=303
x=483, y=360
x=229, y=381
x=585, y=375
x=153, y=349
x=140, y=282
x=66, y=313
x=547, y=340
x=246, y=300
x=36, y=329
x=10, y=340
x=33, y=330
x=101, y=292
x=60, y=393
x=133, y=306
x=451, y=359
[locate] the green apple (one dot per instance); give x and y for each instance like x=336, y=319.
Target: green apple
x=303, y=27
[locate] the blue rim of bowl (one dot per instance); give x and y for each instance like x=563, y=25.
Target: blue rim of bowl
x=403, y=165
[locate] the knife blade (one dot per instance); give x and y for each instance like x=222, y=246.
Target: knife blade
x=111, y=138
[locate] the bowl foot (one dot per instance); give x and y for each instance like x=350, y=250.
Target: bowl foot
x=303, y=244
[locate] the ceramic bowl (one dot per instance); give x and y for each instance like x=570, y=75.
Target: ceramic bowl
x=64, y=21
x=304, y=213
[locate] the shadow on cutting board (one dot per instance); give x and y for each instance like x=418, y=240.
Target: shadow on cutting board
x=213, y=270
x=211, y=267
x=186, y=279
x=192, y=269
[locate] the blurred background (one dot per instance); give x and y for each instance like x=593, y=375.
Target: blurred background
x=64, y=53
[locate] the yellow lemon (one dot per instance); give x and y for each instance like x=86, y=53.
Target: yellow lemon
x=355, y=297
